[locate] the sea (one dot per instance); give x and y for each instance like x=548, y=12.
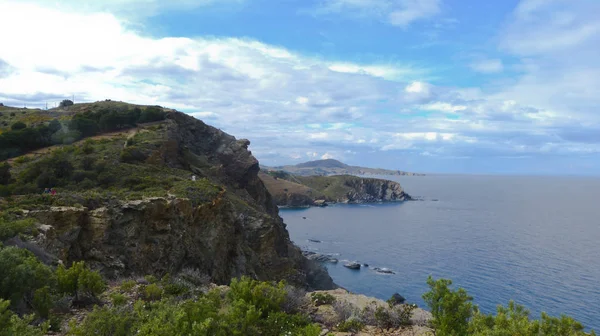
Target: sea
x=532, y=239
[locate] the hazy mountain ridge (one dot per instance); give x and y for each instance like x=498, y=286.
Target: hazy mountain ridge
x=334, y=167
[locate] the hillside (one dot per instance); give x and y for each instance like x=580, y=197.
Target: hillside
x=334, y=167
x=291, y=190
x=127, y=205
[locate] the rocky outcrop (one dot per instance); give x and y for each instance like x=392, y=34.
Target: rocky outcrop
x=300, y=191
x=366, y=190
x=238, y=232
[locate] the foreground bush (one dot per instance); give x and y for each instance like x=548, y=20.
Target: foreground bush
x=454, y=314
x=249, y=308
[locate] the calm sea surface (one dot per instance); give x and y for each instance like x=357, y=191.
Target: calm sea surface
x=532, y=239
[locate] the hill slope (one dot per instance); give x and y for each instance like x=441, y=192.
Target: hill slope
x=127, y=205
x=334, y=167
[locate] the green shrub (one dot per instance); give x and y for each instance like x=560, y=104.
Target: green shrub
x=105, y=321
x=383, y=318
x=153, y=292
x=9, y=229
x=264, y=296
x=132, y=154
x=22, y=275
x=351, y=325
x=128, y=285
x=451, y=309
x=322, y=298
x=5, y=177
x=18, y=126
x=78, y=279
x=118, y=299
x=43, y=301
x=13, y=325
x=150, y=279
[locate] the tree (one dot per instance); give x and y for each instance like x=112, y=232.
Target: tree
x=22, y=274
x=87, y=127
x=451, y=309
x=18, y=125
x=66, y=103
x=5, y=177
x=54, y=126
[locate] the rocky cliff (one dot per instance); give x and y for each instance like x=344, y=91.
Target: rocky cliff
x=230, y=230
x=291, y=190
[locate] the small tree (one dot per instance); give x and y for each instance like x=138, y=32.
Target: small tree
x=18, y=125
x=5, y=177
x=66, y=103
x=451, y=309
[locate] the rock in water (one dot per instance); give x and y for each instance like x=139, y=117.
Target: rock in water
x=383, y=270
x=314, y=241
x=352, y=265
x=396, y=299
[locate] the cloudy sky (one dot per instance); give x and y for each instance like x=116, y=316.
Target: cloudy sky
x=450, y=86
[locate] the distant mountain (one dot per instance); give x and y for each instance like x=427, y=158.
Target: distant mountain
x=334, y=167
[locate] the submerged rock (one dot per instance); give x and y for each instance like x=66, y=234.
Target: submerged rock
x=314, y=241
x=383, y=270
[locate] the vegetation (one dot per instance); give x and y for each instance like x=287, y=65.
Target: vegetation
x=454, y=315
x=246, y=309
x=322, y=298
x=38, y=129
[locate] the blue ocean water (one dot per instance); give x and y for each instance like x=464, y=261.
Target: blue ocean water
x=532, y=239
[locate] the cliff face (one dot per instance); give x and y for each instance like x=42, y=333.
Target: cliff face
x=290, y=190
x=373, y=190
x=238, y=232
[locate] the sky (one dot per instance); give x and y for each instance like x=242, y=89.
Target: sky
x=438, y=86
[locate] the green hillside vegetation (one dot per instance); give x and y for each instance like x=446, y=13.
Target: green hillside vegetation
x=24, y=130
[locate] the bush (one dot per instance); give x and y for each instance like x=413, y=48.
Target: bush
x=19, y=125
x=344, y=310
x=78, y=279
x=66, y=103
x=151, y=113
x=22, y=275
x=105, y=321
x=5, y=177
x=132, y=154
x=153, y=292
x=322, y=298
x=195, y=277
x=118, y=299
x=451, y=309
x=12, y=325
x=351, y=326
x=150, y=279
x=264, y=296
x=43, y=301
x=11, y=228
x=295, y=300
x=128, y=285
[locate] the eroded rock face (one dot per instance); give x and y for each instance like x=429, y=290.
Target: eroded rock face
x=238, y=233
x=374, y=190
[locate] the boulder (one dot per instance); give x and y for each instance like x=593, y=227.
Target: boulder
x=396, y=299
x=383, y=270
x=352, y=265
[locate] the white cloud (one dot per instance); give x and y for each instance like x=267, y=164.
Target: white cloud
x=292, y=106
x=327, y=156
x=488, y=66
x=443, y=107
x=126, y=8
x=400, y=13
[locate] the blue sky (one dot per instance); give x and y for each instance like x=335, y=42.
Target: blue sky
x=449, y=86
